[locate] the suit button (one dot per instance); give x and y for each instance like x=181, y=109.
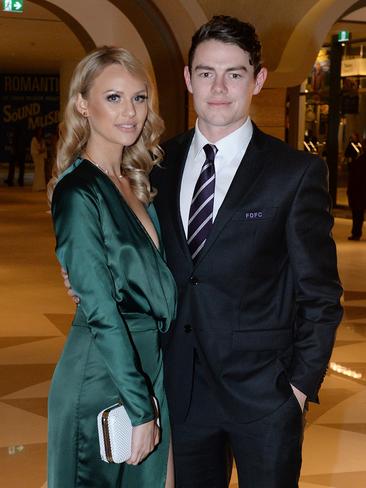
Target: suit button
x=187, y=328
x=193, y=280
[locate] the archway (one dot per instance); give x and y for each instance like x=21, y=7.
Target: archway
x=166, y=59
x=325, y=114
x=307, y=38
x=161, y=45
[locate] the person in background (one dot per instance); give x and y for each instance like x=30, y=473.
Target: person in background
x=39, y=155
x=107, y=238
x=356, y=192
x=317, y=77
x=18, y=150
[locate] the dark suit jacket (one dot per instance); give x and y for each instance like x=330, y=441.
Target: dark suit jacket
x=261, y=305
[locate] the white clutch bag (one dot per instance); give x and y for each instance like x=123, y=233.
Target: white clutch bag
x=115, y=433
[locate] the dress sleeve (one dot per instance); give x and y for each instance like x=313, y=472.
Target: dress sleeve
x=81, y=251
x=314, y=264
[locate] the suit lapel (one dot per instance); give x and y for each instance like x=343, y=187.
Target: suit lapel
x=180, y=156
x=247, y=174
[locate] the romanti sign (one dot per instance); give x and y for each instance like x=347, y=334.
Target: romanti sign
x=27, y=101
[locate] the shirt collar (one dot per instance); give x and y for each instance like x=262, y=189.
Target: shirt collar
x=228, y=145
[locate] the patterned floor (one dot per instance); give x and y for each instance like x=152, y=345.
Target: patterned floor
x=35, y=316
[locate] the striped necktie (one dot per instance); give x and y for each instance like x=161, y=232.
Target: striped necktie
x=201, y=210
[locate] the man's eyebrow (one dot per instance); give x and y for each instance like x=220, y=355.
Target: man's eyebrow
x=210, y=68
x=201, y=66
x=237, y=68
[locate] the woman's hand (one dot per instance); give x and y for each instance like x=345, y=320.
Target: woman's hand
x=67, y=284
x=144, y=439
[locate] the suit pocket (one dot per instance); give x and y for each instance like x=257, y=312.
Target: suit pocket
x=255, y=214
x=262, y=340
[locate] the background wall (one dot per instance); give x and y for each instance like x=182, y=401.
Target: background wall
x=55, y=34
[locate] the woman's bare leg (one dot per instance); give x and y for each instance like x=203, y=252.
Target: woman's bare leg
x=170, y=468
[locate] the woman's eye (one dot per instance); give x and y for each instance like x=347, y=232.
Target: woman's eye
x=235, y=76
x=140, y=98
x=113, y=97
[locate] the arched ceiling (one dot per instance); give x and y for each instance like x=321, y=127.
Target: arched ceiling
x=306, y=39
x=291, y=31
x=274, y=20
x=45, y=42
x=277, y=25
x=23, y=46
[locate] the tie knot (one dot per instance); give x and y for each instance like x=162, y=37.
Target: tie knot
x=210, y=151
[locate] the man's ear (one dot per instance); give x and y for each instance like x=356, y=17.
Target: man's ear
x=187, y=78
x=259, y=80
x=82, y=105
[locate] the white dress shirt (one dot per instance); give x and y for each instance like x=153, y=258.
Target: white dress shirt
x=230, y=152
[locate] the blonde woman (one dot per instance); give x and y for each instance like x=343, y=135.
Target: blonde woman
x=107, y=239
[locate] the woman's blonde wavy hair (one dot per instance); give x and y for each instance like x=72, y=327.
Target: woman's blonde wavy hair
x=137, y=159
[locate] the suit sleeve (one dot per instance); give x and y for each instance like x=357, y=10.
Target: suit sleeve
x=81, y=251
x=314, y=265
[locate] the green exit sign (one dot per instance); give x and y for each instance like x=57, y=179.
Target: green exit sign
x=13, y=6
x=343, y=36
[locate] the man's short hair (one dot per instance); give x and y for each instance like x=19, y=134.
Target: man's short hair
x=229, y=30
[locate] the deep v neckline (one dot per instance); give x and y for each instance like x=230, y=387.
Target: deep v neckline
x=136, y=218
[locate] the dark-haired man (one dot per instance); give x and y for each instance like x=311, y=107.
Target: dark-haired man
x=246, y=227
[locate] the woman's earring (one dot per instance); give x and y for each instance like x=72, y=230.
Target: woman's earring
x=84, y=113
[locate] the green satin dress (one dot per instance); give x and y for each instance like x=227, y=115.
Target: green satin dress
x=112, y=352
